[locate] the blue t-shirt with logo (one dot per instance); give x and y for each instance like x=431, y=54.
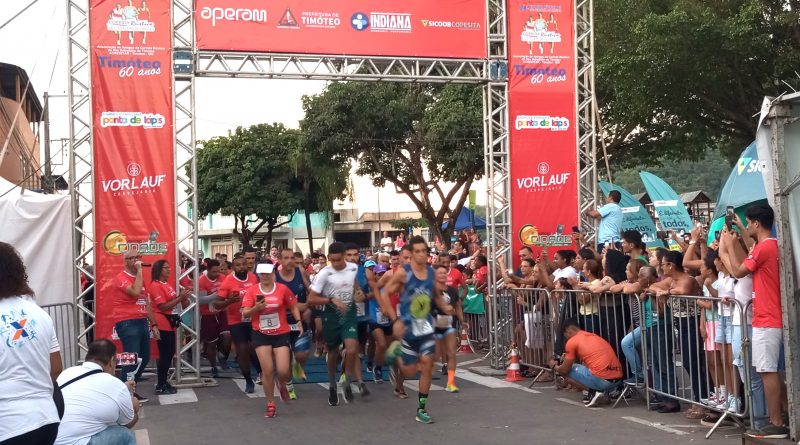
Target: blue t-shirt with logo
x=610, y=225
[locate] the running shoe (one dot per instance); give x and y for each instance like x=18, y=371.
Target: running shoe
x=444, y=369
x=164, y=390
x=377, y=374
x=348, y=393
x=423, y=416
x=343, y=378
x=734, y=404
x=258, y=379
x=362, y=388
x=214, y=372
x=292, y=392
x=282, y=390
x=392, y=352
x=271, y=410
x=249, y=387
x=141, y=399
x=596, y=399
x=298, y=372
x=333, y=396
x=451, y=388
x=370, y=367
x=587, y=396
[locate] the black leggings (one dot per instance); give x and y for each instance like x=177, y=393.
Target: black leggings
x=166, y=352
x=45, y=435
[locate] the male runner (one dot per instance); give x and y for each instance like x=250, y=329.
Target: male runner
x=447, y=327
x=456, y=280
x=418, y=294
x=210, y=326
x=396, y=260
x=292, y=277
x=250, y=258
x=334, y=286
x=366, y=284
x=380, y=328
x=231, y=293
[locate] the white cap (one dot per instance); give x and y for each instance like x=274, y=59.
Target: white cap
x=265, y=268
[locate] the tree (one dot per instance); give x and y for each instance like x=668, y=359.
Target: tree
x=675, y=77
x=412, y=136
x=247, y=175
x=406, y=224
x=321, y=181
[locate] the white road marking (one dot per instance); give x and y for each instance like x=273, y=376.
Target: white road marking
x=259, y=393
x=340, y=390
x=182, y=396
x=469, y=362
x=414, y=386
x=656, y=425
x=142, y=437
x=572, y=402
x=491, y=382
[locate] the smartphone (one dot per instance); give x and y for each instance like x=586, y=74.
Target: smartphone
x=127, y=358
x=259, y=298
x=662, y=234
x=681, y=232
x=576, y=229
x=560, y=229
x=729, y=218
x=716, y=235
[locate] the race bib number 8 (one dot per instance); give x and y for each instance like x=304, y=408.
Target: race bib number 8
x=269, y=322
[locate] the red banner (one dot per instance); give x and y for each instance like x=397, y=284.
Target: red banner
x=543, y=137
x=411, y=28
x=134, y=167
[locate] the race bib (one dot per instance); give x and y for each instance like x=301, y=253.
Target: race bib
x=295, y=327
x=361, y=309
x=444, y=321
x=269, y=322
x=381, y=319
x=421, y=327
x=142, y=303
x=212, y=308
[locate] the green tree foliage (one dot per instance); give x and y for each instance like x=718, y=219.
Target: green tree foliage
x=412, y=136
x=247, y=175
x=406, y=224
x=708, y=174
x=675, y=77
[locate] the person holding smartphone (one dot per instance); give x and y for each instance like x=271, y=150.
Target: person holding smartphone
x=266, y=305
x=167, y=313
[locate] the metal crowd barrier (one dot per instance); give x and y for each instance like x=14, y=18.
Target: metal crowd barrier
x=658, y=340
x=63, y=315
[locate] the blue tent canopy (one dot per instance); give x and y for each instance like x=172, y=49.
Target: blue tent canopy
x=465, y=219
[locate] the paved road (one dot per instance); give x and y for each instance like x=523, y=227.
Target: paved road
x=487, y=411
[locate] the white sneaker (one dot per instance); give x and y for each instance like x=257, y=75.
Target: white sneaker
x=734, y=404
x=723, y=404
x=711, y=400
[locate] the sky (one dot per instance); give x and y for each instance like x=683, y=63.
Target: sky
x=222, y=104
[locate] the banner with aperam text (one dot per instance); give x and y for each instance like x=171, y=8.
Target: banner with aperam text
x=408, y=28
x=543, y=138
x=134, y=166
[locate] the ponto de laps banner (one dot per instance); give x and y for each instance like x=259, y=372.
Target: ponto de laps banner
x=134, y=179
x=408, y=28
x=543, y=137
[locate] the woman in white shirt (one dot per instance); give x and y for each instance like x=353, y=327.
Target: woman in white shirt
x=29, y=359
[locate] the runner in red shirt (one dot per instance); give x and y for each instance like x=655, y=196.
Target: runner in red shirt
x=210, y=326
x=231, y=293
x=266, y=304
x=165, y=302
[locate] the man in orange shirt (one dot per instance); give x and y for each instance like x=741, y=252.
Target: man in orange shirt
x=600, y=367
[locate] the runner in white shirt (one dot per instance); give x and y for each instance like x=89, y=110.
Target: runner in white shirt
x=29, y=359
x=98, y=406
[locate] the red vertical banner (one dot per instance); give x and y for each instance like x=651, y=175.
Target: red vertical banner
x=133, y=148
x=542, y=113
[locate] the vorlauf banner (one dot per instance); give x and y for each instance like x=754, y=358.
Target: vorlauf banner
x=542, y=101
x=411, y=28
x=134, y=167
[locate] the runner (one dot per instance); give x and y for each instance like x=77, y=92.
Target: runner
x=231, y=293
x=397, y=259
x=292, y=277
x=210, y=326
x=334, y=287
x=266, y=304
x=415, y=283
x=447, y=327
x=456, y=280
x=366, y=282
x=380, y=328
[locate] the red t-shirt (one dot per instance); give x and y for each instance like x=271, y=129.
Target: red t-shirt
x=272, y=320
x=482, y=274
x=595, y=353
x=161, y=293
x=763, y=263
x=125, y=306
x=456, y=279
x=186, y=282
x=233, y=286
x=211, y=287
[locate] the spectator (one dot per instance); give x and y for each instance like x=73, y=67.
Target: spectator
x=632, y=343
x=633, y=246
x=481, y=280
x=767, y=339
x=524, y=253
x=386, y=242
x=166, y=301
x=583, y=255
x=99, y=409
x=600, y=368
x=132, y=314
x=562, y=263
x=610, y=216
x=588, y=302
x=400, y=241
x=29, y=359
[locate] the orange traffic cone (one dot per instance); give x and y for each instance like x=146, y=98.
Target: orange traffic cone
x=465, y=346
x=513, y=371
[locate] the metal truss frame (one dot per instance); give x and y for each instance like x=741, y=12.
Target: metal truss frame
x=586, y=115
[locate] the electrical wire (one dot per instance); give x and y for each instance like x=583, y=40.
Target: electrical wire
x=17, y=14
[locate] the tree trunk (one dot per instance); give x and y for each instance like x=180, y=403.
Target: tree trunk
x=309, y=230
x=268, y=237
